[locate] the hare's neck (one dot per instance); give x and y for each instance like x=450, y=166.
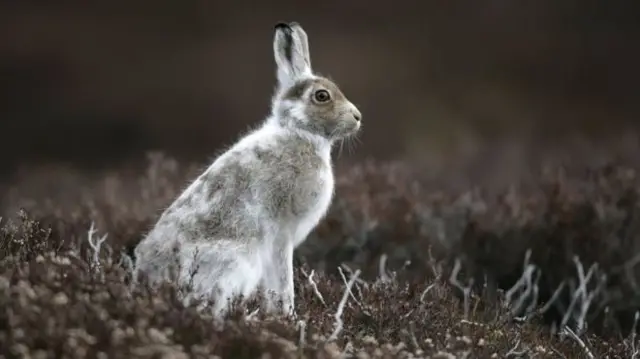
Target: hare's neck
x=322, y=144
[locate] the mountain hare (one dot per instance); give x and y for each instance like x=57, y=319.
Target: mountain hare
x=235, y=227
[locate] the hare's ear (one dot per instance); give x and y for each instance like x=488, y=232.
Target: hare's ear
x=291, y=52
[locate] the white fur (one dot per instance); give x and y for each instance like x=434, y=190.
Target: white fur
x=268, y=191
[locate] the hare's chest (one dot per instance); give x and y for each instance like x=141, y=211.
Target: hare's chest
x=314, y=207
x=323, y=195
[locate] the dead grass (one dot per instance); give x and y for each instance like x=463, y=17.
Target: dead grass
x=403, y=231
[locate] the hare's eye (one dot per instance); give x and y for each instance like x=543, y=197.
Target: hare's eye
x=322, y=96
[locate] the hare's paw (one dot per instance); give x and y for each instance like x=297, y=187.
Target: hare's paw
x=288, y=303
x=287, y=308
x=278, y=304
x=269, y=301
x=290, y=312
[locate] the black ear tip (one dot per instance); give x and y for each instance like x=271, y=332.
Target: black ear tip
x=281, y=25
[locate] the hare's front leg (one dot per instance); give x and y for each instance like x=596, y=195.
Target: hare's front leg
x=278, y=280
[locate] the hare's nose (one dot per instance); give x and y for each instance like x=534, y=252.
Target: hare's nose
x=356, y=115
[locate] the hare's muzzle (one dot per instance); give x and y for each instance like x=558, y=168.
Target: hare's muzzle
x=356, y=113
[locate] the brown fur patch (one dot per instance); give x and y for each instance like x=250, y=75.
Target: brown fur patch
x=297, y=91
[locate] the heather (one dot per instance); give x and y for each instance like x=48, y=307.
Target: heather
x=407, y=263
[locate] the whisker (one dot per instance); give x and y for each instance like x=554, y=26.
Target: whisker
x=354, y=141
x=352, y=146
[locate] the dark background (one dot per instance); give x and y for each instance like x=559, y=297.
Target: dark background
x=95, y=84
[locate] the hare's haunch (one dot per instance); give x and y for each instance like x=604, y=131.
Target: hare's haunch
x=234, y=229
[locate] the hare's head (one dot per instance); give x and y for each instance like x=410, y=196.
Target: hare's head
x=303, y=99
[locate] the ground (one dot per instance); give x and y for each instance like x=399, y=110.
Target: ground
x=405, y=265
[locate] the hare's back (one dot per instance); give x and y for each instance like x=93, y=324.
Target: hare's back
x=254, y=182
x=216, y=205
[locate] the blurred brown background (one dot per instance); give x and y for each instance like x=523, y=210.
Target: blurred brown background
x=98, y=83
